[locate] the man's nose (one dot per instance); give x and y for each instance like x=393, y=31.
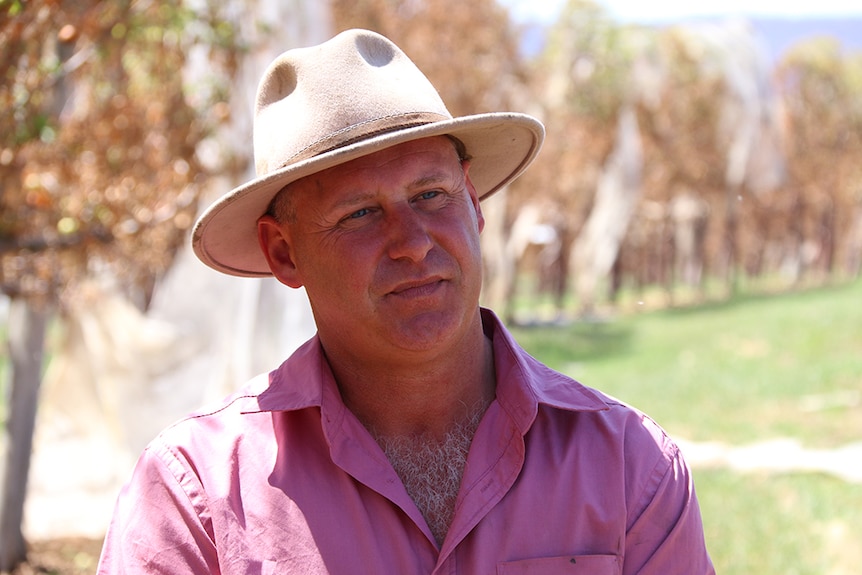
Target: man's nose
x=407, y=234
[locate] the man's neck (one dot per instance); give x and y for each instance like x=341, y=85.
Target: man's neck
x=427, y=399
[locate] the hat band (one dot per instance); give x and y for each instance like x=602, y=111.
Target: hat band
x=364, y=130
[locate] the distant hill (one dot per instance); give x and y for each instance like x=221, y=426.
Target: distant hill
x=778, y=34
x=781, y=33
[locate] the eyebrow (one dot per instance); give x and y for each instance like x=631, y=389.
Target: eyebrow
x=420, y=182
x=432, y=178
x=352, y=201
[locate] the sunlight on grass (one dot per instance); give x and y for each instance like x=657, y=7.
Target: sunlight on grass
x=750, y=369
x=788, y=524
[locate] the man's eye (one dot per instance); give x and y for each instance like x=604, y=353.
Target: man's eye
x=429, y=195
x=358, y=214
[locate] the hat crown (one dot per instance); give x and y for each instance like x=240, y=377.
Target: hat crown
x=317, y=99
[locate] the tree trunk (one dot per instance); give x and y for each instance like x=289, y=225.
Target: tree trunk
x=617, y=194
x=730, y=254
x=26, y=343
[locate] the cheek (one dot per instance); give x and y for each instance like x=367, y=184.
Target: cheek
x=464, y=246
x=342, y=272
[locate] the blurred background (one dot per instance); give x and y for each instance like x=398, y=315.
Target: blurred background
x=689, y=239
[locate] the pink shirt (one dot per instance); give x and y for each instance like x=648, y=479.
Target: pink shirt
x=282, y=478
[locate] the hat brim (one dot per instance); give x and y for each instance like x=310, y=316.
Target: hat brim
x=501, y=146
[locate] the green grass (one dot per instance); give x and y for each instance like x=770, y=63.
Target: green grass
x=794, y=524
x=749, y=369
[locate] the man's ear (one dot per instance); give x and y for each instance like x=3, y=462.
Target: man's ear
x=474, y=195
x=274, y=240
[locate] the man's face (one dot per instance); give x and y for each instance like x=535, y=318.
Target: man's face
x=387, y=247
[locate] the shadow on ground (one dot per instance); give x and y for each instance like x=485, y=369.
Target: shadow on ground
x=565, y=342
x=74, y=556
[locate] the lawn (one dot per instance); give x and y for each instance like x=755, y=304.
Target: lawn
x=750, y=369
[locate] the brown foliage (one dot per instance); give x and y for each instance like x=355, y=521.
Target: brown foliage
x=822, y=91
x=98, y=167
x=682, y=154
x=468, y=51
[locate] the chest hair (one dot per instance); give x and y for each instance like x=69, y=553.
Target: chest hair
x=431, y=470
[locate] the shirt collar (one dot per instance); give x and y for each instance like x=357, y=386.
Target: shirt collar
x=305, y=380
x=300, y=382
x=524, y=383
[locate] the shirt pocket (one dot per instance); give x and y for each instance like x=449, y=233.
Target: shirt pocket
x=567, y=564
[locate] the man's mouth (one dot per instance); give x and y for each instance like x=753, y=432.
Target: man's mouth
x=417, y=288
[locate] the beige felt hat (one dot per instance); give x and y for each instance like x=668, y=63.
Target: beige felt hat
x=321, y=106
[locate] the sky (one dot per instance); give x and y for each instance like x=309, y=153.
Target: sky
x=781, y=23
x=646, y=11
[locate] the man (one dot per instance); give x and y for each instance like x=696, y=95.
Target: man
x=412, y=434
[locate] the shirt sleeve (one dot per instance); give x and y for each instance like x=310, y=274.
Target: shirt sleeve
x=161, y=523
x=665, y=536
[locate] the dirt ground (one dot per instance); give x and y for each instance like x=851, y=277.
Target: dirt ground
x=61, y=557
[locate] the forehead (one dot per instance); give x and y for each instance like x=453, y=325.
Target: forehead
x=435, y=153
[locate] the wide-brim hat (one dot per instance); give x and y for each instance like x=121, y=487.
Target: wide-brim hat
x=322, y=106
